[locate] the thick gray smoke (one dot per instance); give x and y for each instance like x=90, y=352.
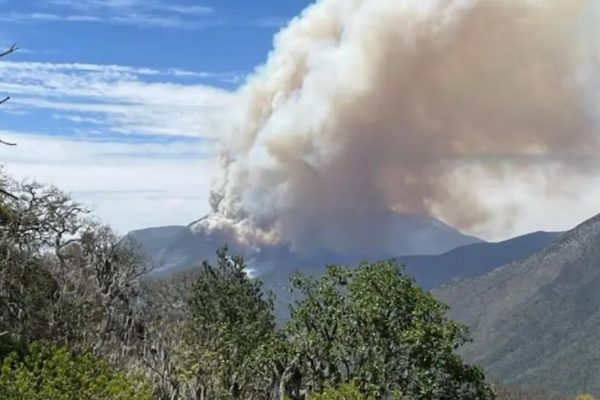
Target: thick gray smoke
x=365, y=107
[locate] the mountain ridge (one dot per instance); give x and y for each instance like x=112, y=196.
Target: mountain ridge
x=184, y=247
x=474, y=259
x=537, y=321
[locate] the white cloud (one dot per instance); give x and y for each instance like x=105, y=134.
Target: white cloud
x=128, y=5
x=268, y=22
x=142, y=20
x=130, y=185
x=159, y=176
x=185, y=9
x=145, y=13
x=78, y=119
x=38, y=16
x=140, y=13
x=120, y=96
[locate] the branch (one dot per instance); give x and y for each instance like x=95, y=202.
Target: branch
x=12, y=49
x=7, y=143
x=7, y=98
x=12, y=196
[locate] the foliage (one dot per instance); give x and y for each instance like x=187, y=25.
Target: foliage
x=228, y=319
x=63, y=277
x=506, y=392
x=344, y=392
x=375, y=327
x=54, y=373
x=65, y=280
x=585, y=397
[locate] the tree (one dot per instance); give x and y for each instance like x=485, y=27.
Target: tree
x=585, y=397
x=64, y=278
x=344, y=392
x=68, y=281
x=373, y=326
x=228, y=319
x=4, y=192
x=164, y=309
x=11, y=50
x=99, y=277
x=47, y=372
x=26, y=285
x=511, y=392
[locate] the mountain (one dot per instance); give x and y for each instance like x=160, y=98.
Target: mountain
x=537, y=321
x=176, y=248
x=416, y=234
x=473, y=260
x=155, y=241
x=428, y=270
x=406, y=234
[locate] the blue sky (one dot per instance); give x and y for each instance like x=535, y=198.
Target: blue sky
x=115, y=101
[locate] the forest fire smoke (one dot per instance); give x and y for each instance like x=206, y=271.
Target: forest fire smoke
x=365, y=107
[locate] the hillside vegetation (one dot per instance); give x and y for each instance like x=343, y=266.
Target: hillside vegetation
x=537, y=321
x=80, y=319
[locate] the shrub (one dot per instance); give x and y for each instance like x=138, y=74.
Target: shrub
x=343, y=392
x=585, y=397
x=46, y=372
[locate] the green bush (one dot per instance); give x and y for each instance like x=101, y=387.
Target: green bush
x=374, y=327
x=343, y=392
x=46, y=372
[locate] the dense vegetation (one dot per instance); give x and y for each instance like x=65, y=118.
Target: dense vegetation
x=77, y=308
x=46, y=372
x=81, y=319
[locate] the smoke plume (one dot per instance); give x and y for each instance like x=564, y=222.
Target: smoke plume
x=367, y=107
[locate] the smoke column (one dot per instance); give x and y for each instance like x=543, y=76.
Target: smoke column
x=367, y=107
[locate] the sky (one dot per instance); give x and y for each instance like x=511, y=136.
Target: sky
x=114, y=101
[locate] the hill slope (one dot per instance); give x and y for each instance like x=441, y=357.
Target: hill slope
x=429, y=271
x=537, y=321
x=154, y=241
x=474, y=260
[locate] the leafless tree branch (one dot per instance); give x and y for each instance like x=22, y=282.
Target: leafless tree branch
x=12, y=49
x=7, y=143
x=12, y=196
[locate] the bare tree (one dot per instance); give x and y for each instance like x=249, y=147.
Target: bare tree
x=4, y=192
x=65, y=278
x=11, y=50
x=3, y=184
x=8, y=194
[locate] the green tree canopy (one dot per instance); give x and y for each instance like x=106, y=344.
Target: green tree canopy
x=228, y=320
x=343, y=392
x=69, y=281
x=47, y=372
x=375, y=327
